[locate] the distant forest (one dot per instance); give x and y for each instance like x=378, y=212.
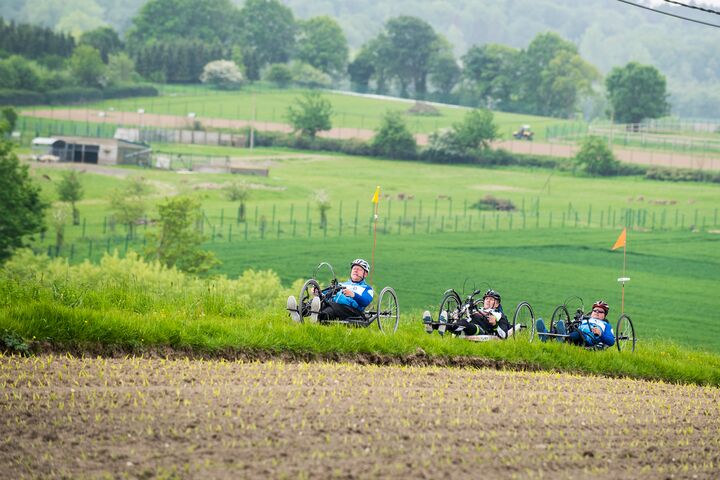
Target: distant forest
x=607, y=33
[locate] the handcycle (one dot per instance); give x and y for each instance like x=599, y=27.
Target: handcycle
x=385, y=311
x=624, y=332
x=522, y=324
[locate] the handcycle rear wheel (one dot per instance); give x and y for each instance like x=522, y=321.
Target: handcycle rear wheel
x=625, y=333
x=388, y=311
x=524, y=317
x=307, y=293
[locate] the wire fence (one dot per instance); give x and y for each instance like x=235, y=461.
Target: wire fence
x=91, y=241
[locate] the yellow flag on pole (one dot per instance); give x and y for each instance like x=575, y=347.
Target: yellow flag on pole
x=376, y=197
x=621, y=240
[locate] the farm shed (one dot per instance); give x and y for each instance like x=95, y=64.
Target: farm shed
x=103, y=151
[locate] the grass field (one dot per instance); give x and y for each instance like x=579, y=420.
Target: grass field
x=270, y=105
x=417, y=197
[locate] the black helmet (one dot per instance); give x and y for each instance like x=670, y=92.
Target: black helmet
x=492, y=293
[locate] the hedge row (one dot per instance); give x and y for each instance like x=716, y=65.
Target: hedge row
x=73, y=95
x=681, y=175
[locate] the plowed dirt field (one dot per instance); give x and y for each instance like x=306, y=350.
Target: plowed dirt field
x=72, y=417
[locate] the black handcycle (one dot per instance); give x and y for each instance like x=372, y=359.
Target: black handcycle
x=522, y=325
x=624, y=332
x=385, y=311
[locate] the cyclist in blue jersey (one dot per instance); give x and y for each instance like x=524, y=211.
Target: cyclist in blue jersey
x=350, y=300
x=591, y=330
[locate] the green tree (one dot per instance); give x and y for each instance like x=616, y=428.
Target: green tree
x=23, y=209
x=408, y=46
x=210, y=21
x=491, y=74
x=311, y=114
x=70, y=190
x=362, y=68
x=444, y=71
x=238, y=192
x=266, y=33
x=322, y=44
x=636, y=92
x=280, y=74
x=476, y=130
x=9, y=116
x=121, y=69
x=130, y=203
x=87, y=66
x=177, y=242
x=393, y=139
x=564, y=80
x=306, y=75
x=58, y=222
x=596, y=158
x=103, y=39
x=17, y=72
x=535, y=60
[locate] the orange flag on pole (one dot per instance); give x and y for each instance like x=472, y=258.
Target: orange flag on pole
x=621, y=240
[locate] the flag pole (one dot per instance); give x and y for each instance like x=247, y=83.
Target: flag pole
x=376, y=201
x=622, y=242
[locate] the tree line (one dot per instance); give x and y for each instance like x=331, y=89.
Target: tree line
x=263, y=40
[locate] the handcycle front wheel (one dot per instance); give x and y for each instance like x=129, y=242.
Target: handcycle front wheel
x=625, y=334
x=307, y=293
x=560, y=313
x=523, y=323
x=451, y=304
x=388, y=311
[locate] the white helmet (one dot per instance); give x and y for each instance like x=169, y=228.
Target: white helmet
x=362, y=264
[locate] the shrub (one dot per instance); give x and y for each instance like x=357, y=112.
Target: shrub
x=492, y=203
x=596, y=158
x=74, y=94
x=20, y=97
x=122, y=91
x=311, y=114
x=279, y=74
x=223, y=74
x=393, y=139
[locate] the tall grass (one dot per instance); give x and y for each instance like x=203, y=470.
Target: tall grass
x=134, y=305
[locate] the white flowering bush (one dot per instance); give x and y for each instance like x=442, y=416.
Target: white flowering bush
x=223, y=74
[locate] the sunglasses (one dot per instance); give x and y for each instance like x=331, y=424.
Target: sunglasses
x=597, y=310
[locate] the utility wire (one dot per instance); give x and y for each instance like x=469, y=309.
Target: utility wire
x=695, y=7
x=670, y=14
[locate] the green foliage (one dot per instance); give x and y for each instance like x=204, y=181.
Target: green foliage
x=175, y=61
x=177, y=243
x=322, y=44
x=223, y=74
x=476, y=131
x=393, y=139
x=596, y=158
x=491, y=74
x=209, y=21
x=70, y=190
x=279, y=74
x=17, y=73
x=267, y=34
x=34, y=41
x=121, y=69
x=129, y=204
x=636, y=92
x=13, y=343
x=87, y=66
x=23, y=208
x=311, y=114
x=408, y=45
x=10, y=116
x=306, y=75
x=489, y=202
x=104, y=39
x=444, y=71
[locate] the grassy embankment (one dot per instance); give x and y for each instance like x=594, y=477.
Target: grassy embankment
x=130, y=306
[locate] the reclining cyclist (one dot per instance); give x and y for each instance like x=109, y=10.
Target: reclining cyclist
x=486, y=320
x=345, y=300
x=588, y=330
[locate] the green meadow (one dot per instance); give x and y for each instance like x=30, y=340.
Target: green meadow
x=270, y=105
x=555, y=245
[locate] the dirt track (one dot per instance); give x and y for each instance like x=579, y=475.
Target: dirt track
x=644, y=157
x=141, y=418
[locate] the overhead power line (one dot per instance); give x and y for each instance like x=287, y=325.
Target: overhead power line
x=670, y=14
x=694, y=7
